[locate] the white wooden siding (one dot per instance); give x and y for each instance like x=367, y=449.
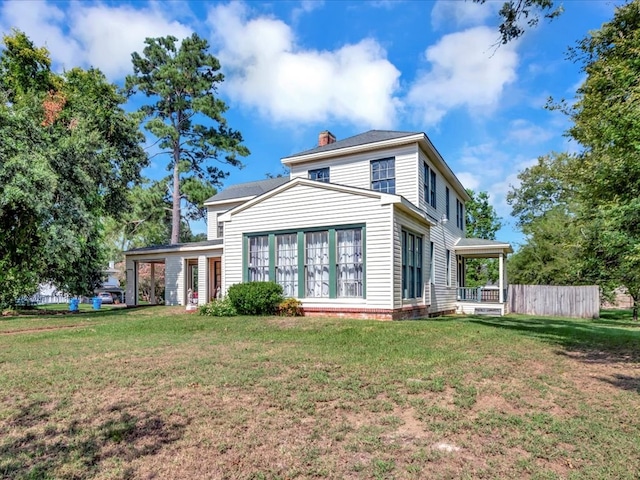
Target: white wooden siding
x=444, y=296
x=355, y=170
x=203, y=279
x=305, y=206
x=213, y=211
x=212, y=224
x=403, y=221
x=174, y=280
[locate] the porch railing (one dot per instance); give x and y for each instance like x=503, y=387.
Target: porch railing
x=480, y=295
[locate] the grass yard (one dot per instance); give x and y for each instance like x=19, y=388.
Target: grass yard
x=157, y=393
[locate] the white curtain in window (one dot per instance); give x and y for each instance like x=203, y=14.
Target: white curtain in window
x=317, y=263
x=287, y=263
x=259, y=259
x=349, y=245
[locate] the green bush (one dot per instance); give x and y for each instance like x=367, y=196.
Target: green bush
x=218, y=308
x=255, y=298
x=290, y=307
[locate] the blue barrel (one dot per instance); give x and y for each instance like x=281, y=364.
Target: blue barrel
x=74, y=304
x=97, y=303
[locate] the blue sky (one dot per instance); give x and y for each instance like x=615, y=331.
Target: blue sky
x=296, y=68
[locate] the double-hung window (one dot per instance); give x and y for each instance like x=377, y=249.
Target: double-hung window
x=446, y=202
x=317, y=264
x=448, y=271
x=432, y=251
x=433, y=188
x=429, y=185
x=349, y=263
x=383, y=175
x=412, y=283
x=320, y=175
x=459, y=214
x=286, y=263
x=258, y=259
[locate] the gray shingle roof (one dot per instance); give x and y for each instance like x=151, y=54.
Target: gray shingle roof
x=176, y=246
x=372, y=136
x=249, y=189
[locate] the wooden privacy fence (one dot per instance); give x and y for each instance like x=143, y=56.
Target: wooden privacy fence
x=555, y=301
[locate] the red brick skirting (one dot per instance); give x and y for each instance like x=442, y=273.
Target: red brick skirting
x=404, y=313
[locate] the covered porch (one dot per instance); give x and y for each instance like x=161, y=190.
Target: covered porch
x=489, y=299
x=191, y=273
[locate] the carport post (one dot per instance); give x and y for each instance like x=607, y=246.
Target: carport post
x=152, y=295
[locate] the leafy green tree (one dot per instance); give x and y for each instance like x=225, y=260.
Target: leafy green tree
x=543, y=187
x=68, y=154
x=482, y=221
x=551, y=254
x=607, y=124
x=516, y=14
x=182, y=82
x=545, y=206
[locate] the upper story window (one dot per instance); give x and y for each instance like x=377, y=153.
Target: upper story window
x=429, y=185
x=459, y=214
x=446, y=201
x=320, y=175
x=433, y=188
x=383, y=175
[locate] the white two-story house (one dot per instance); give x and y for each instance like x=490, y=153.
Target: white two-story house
x=370, y=226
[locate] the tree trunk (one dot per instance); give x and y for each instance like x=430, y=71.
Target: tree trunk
x=635, y=310
x=175, y=212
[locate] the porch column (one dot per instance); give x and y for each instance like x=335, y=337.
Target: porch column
x=152, y=295
x=203, y=280
x=501, y=276
x=132, y=282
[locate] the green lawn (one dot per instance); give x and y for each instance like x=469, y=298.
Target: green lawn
x=157, y=393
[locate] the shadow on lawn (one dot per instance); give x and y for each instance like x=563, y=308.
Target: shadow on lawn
x=596, y=341
x=34, y=444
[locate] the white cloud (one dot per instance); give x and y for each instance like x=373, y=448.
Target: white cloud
x=465, y=71
x=90, y=34
x=461, y=14
x=306, y=6
x=110, y=34
x=524, y=132
x=285, y=82
x=43, y=23
x=468, y=180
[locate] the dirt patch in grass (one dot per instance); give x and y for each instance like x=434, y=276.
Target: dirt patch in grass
x=43, y=329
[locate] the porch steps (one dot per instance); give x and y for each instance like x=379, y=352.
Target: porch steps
x=488, y=311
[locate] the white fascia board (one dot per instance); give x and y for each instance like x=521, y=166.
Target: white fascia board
x=495, y=248
x=226, y=217
x=228, y=200
x=350, y=150
x=197, y=248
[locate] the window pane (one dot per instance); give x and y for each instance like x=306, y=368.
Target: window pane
x=317, y=264
x=349, y=258
x=383, y=175
x=259, y=259
x=287, y=263
x=320, y=175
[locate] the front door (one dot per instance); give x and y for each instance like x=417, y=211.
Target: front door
x=215, y=277
x=192, y=281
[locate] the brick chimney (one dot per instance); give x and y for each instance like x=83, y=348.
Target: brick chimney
x=325, y=138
